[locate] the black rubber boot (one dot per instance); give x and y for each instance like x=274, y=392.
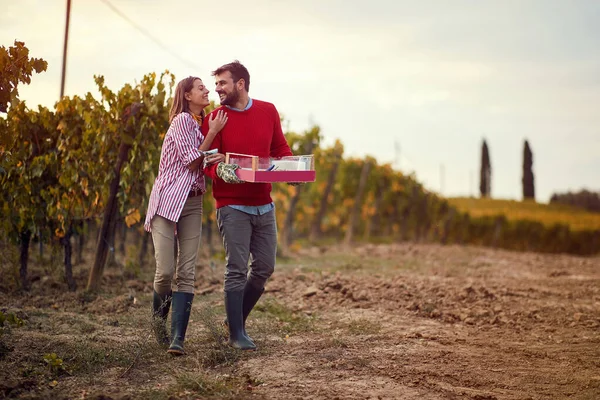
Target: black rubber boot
x=182, y=307
x=251, y=296
x=160, y=311
x=233, y=307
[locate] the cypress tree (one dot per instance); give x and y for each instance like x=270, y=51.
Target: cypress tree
x=485, y=176
x=528, y=180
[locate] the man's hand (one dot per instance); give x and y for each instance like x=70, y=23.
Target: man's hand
x=214, y=159
x=227, y=173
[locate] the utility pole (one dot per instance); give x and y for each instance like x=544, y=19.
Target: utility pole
x=64, y=65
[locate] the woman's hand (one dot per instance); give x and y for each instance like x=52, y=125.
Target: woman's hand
x=216, y=122
x=214, y=158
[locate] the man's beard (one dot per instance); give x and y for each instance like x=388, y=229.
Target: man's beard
x=231, y=98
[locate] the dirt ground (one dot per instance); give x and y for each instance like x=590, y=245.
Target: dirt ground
x=399, y=321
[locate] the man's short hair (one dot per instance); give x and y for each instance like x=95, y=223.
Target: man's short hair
x=237, y=70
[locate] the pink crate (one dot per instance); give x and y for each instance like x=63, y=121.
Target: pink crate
x=266, y=169
x=275, y=176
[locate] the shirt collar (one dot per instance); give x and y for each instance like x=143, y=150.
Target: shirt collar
x=247, y=106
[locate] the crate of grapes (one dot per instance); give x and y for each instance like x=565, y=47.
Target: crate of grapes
x=269, y=169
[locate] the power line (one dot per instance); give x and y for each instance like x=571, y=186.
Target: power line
x=148, y=35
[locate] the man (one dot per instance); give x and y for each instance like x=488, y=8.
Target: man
x=245, y=211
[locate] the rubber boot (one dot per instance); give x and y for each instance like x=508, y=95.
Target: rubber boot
x=160, y=311
x=233, y=307
x=182, y=307
x=251, y=296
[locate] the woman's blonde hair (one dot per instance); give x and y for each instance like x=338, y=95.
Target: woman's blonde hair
x=180, y=104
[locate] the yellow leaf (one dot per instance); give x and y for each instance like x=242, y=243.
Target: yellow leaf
x=133, y=217
x=84, y=186
x=53, y=383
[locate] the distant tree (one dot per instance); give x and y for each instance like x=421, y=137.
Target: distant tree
x=485, y=180
x=528, y=180
x=583, y=199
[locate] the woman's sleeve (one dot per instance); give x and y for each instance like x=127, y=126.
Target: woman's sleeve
x=184, y=132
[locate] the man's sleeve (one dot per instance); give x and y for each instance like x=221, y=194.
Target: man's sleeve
x=211, y=170
x=279, y=146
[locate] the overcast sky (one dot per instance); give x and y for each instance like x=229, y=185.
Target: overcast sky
x=415, y=83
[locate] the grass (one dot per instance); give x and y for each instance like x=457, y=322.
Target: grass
x=289, y=321
x=201, y=384
x=548, y=214
x=91, y=339
x=52, y=357
x=216, y=351
x=126, y=349
x=84, y=356
x=79, y=346
x=334, y=262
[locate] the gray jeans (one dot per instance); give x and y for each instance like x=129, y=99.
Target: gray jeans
x=247, y=237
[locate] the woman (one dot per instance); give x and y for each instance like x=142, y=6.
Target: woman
x=176, y=206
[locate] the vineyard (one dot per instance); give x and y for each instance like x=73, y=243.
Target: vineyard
x=382, y=289
x=576, y=219
x=85, y=169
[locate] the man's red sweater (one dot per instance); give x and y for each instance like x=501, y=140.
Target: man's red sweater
x=255, y=131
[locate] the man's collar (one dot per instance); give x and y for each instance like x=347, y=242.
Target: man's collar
x=247, y=106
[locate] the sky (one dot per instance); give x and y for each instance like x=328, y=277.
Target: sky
x=415, y=84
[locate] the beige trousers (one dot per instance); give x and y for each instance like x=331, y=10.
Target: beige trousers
x=173, y=273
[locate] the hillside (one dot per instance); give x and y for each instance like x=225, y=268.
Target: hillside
x=548, y=214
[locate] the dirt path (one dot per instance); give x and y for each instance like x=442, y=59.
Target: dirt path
x=440, y=322
x=376, y=322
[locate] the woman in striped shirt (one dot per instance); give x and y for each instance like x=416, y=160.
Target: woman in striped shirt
x=175, y=208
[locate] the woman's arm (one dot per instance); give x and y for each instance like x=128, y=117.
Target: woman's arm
x=184, y=129
x=216, y=122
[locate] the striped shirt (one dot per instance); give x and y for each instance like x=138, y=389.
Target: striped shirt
x=175, y=181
